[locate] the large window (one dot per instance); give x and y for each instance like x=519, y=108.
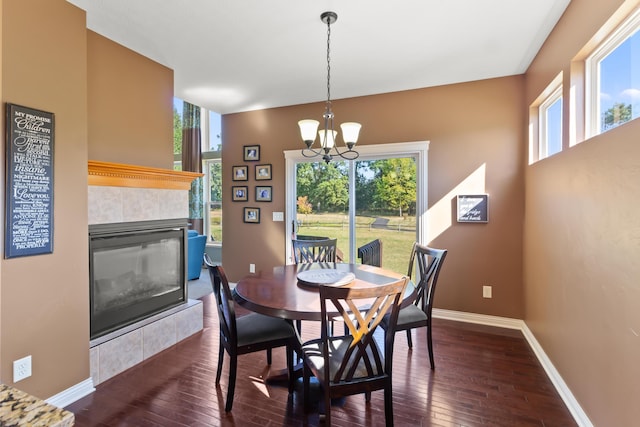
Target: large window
x=211, y=137
x=380, y=195
x=613, y=79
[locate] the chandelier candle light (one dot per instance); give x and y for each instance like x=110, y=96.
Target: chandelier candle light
x=309, y=127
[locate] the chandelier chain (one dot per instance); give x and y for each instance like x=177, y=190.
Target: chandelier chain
x=328, y=60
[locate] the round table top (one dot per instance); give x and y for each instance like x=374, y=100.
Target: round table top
x=280, y=294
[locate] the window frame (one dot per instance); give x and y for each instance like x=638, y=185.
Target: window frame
x=418, y=150
x=543, y=122
x=628, y=28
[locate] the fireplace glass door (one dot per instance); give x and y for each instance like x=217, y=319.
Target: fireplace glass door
x=135, y=275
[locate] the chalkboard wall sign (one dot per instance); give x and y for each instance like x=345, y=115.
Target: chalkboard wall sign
x=29, y=204
x=473, y=208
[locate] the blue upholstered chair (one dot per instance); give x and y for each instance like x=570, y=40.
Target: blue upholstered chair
x=195, y=252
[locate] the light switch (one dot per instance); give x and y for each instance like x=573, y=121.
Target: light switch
x=278, y=216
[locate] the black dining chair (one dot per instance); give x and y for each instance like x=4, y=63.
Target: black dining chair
x=353, y=363
x=418, y=315
x=371, y=253
x=307, y=251
x=316, y=250
x=246, y=334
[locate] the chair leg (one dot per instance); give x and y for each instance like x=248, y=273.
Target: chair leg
x=327, y=407
x=290, y=367
x=299, y=332
x=388, y=406
x=409, y=342
x=306, y=374
x=430, y=346
x=268, y=356
x=220, y=359
x=233, y=366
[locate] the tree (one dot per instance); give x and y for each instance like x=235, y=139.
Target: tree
x=304, y=207
x=215, y=179
x=396, y=183
x=616, y=115
x=177, y=132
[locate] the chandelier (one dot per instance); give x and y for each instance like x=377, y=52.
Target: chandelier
x=309, y=127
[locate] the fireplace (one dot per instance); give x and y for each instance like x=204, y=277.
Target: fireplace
x=137, y=269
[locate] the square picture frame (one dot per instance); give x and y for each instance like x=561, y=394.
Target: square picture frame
x=240, y=193
x=251, y=153
x=263, y=172
x=251, y=215
x=473, y=208
x=240, y=173
x=263, y=193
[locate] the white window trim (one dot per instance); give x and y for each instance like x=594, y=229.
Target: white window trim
x=592, y=71
x=418, y=150
x=543, y=122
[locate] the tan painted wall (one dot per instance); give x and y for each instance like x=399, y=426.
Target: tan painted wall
x=130, y=106
x=472, y=126
x=44, y=299
x=582, y=236
x=50, y=61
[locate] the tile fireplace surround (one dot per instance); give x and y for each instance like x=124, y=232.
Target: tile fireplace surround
x=125, y=193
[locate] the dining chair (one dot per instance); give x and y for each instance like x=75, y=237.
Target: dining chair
x=353, y=363
x=371, y=253
x=316, y=250
x=246, y=334
x=306, y=251
x=418, y=314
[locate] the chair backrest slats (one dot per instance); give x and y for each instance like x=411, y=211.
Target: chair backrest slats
x=362, y=310
x=430, y=262
x=308, y=251
x=224, y=302
x=371, y=253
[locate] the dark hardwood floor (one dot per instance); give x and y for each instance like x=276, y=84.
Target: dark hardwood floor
x=484, y=376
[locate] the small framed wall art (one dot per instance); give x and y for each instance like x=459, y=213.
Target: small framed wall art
x=240, y=193
x=473, y=208
x=240, y=173
x=263, y=194
x=263, y=172
x=251, y=153
x=252, y=215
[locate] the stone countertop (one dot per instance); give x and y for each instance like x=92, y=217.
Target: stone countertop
x=18, y=408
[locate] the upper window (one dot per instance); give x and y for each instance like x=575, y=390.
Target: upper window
x=545, y=122
x=550, y=117
x=613, y=79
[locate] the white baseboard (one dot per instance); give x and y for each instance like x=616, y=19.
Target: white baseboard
x=73, y=393
x=574, y=407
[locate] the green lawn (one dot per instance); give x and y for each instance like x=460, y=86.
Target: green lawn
x=397, y=239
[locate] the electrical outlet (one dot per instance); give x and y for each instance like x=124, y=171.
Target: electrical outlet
x=252, y=268
x=486, y=292
x=21, y=369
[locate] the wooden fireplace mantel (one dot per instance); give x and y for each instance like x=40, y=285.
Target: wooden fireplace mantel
x=123, y=175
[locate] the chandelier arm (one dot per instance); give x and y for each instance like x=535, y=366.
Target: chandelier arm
x=315, y=153
x=347, y=154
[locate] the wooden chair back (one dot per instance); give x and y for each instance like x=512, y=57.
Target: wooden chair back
x=371, y=253
x=430, y=262
x=362, y=310
x=307, y=251
x=224, y=304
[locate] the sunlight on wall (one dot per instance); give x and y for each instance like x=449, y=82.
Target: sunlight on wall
x=441, y=215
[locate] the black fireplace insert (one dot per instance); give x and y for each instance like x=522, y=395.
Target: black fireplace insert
x=136, y=269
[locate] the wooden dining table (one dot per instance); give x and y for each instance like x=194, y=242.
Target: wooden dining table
x=279, y=293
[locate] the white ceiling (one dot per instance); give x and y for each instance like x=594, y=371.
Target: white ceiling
x=231, y=56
